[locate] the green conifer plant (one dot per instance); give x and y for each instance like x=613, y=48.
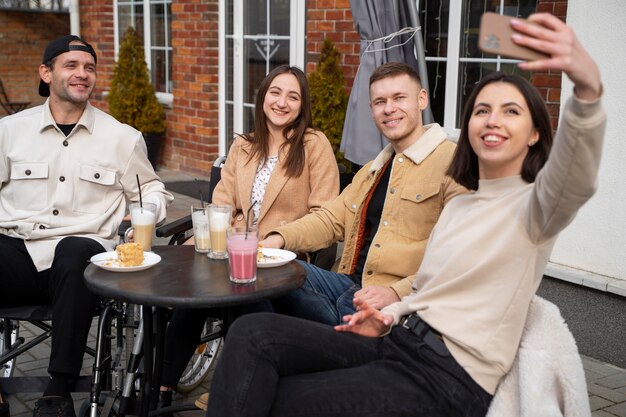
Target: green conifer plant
x=132, y=99
x=329, y=98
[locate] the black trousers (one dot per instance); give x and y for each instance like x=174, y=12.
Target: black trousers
x=62, y=286
x=275, y=365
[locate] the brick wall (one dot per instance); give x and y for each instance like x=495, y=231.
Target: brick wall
x=193, y=130
x=191, y=142
x=332, y=19
x=23, y=38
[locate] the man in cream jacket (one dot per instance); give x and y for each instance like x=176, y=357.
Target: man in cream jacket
x=384, y=216
x=67, y=170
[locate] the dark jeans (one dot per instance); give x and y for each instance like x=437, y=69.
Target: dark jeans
x=325, y=297
x=274, y=365
x=62, y=286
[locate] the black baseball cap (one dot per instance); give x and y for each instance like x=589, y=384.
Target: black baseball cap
x=60, y=46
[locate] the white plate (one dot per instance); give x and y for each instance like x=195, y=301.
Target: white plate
x=275, y=257
x=107, y=260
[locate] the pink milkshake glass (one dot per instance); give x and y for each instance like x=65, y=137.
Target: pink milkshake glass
x=242, y=252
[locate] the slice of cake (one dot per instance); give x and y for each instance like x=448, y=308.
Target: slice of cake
x=129, y=254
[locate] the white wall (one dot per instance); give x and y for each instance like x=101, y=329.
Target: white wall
x=596, y=240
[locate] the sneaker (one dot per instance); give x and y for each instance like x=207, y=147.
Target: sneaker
x=203, y=401
x=54, y=407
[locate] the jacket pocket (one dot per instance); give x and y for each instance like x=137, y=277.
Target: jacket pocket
x=29, y=182
x=92, y=189
x=420, y=208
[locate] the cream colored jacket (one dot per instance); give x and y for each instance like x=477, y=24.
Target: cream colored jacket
x=286, y=199
x=418, y=189
x=52, y=186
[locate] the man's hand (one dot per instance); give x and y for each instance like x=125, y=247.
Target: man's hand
x=377, y=296
x=367, y=321
x=274, y=241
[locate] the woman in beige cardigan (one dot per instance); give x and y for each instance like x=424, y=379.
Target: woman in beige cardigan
x=285, y=166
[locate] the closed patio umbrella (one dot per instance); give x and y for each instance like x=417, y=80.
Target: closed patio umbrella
x=389, y=32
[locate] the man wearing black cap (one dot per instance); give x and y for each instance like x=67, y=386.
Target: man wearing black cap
x=66, y=172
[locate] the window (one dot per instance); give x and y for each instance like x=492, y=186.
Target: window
x=255, y=37
x=152, y=19
x=455, y=64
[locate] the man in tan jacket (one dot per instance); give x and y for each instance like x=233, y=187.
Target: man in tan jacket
x=66, y=172
x=384, y=216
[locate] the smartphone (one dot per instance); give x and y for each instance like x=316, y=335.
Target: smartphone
x=495, y=38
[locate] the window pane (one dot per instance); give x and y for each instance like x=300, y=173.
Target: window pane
x=471, y=72
x=437, y=85
x=248, y=118
x=229, y=69
x=229, y=126
x=159, y=70
x=262, y=56
x=255, y=17
x=130, y=14
x=157, y=25
x=520, y=8
x=279, y=17
x=434, y=17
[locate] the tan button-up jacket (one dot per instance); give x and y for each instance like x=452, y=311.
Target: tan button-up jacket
x=53, y=186
x=417, y=192
x=286, y=199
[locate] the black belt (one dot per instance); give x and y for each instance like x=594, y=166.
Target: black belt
x=430, y=336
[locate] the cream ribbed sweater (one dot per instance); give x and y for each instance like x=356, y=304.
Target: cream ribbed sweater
x=488, y=251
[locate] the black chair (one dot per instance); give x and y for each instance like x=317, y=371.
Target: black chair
x=8, y=105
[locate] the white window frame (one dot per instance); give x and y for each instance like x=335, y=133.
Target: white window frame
x=166, y=99
x=297, y=54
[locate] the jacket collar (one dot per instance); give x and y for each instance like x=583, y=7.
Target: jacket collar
x=433, y=136
x=87, y=119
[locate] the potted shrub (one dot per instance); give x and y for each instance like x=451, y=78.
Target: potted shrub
x=329, y=101
x=132, y=99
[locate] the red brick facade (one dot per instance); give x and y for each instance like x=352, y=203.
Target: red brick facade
x=23, y=38
x=192, y=122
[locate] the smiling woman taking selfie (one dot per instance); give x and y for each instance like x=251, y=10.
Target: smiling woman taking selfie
x=443, y=349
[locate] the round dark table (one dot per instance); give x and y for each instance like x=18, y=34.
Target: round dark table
x=185, y=278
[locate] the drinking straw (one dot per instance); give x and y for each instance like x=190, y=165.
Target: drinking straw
x=248, y=219
x=139, y=186
x=199, y=191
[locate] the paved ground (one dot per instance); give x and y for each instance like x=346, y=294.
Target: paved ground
x=606, y=382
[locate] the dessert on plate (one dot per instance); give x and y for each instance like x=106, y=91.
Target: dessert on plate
x=129, y=254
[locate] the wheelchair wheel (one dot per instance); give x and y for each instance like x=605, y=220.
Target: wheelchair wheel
x=9, y=332
x=202, y=359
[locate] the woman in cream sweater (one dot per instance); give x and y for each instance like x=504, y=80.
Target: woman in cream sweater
x=443, y=349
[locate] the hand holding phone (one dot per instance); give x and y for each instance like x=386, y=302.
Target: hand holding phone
x=495, y=38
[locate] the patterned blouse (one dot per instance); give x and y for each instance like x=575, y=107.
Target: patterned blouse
x=263, y=174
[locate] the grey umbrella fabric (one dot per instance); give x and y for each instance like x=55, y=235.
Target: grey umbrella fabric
x=389, y=32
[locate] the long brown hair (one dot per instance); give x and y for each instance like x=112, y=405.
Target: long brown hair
x=464, y=166
x=293, y=132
